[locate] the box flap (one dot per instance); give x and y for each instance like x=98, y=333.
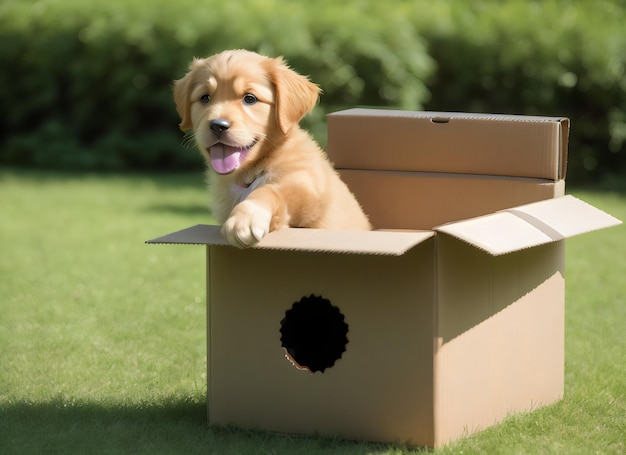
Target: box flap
x=449, y=142
x=530, y=225
x=200, y=234
x=391, y=243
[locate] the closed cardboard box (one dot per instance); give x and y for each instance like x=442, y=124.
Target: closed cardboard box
x=503, y=145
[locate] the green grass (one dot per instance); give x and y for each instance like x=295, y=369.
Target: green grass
x=102, y=338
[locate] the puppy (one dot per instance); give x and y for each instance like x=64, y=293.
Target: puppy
x=268, y=174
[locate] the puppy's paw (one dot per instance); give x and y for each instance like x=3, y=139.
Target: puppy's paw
x=247, y=224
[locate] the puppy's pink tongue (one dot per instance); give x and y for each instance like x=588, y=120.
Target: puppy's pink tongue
x=225, y=159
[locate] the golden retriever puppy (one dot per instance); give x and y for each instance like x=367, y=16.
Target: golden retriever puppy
x=267, y=173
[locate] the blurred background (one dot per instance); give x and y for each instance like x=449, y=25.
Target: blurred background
x=86, y=85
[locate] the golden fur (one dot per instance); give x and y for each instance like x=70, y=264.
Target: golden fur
x=268, y=174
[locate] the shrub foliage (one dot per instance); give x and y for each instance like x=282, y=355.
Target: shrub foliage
x=87, y=85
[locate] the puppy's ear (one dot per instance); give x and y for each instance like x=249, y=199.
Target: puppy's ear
x=296, y=96
x=182, y=88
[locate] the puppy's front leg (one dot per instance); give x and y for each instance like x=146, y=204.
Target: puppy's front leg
x=252, y=219
x=248, y=223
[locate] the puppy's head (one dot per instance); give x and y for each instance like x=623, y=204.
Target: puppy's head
x=240, y=105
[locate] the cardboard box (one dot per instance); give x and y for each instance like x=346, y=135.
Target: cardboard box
x=505, y=145
x=420, y=335
x=421, y=200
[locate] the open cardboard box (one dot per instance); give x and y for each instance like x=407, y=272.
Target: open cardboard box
x=443, y=321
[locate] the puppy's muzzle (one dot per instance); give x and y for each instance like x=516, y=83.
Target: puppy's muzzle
x=219, y=125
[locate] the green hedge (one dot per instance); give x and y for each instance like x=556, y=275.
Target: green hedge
x=561, y=58
x=87, y=85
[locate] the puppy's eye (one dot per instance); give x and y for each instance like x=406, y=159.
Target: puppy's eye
x=249, y=99
x=204, y=99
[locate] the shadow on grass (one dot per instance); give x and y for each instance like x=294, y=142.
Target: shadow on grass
x=176, y=428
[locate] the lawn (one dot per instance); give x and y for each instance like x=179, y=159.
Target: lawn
x=102, y=338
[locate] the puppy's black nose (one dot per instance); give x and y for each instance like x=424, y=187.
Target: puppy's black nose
x=219, y=125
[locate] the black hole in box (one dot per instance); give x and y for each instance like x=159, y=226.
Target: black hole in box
x=313, y=334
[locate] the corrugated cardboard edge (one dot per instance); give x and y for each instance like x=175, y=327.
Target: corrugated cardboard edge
x=530, y=225
x=564, y=147
x=389, y=243
x=442, y=116
x=200, y=234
